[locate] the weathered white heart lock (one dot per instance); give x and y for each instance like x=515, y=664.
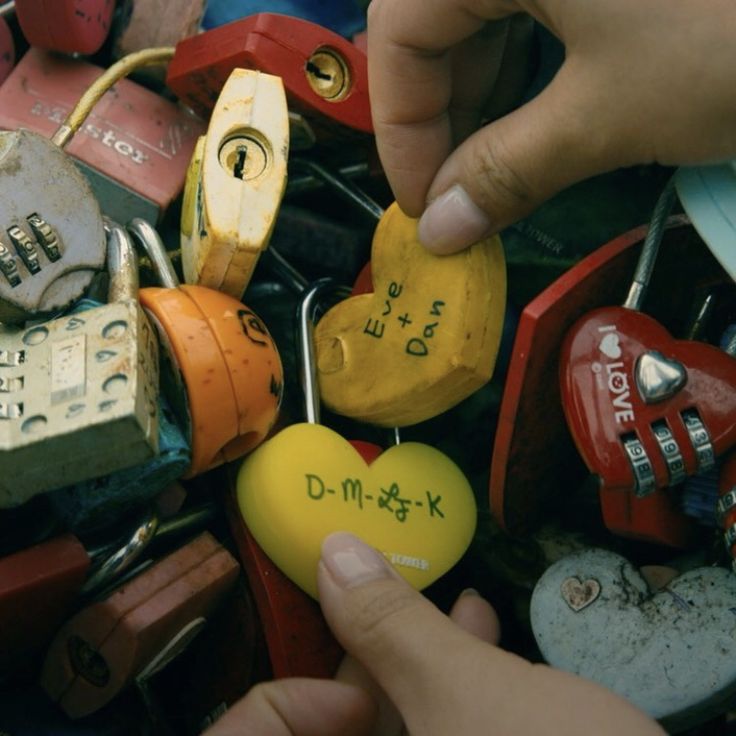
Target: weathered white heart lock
x=671, y=653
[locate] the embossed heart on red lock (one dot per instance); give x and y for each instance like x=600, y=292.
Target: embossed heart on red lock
x=626, y=382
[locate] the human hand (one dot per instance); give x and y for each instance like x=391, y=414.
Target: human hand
x=441, y=678
x=642, y=82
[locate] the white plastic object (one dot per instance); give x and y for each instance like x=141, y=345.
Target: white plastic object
x=708, y=195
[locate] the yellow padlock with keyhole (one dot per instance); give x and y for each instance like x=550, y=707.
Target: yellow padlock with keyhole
x=235, y=183
x=425, y=339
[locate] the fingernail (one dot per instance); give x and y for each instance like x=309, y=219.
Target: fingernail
x=351, y=562
x=470, y=592
x=452, y=222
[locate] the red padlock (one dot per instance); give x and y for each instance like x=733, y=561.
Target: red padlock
x=43, y=579
x=7, y=50
x=71, y=26
x=726, y=507
x=134, y=147
x=532, y=447
x=298, y=639
x=324, y=75
x=98, y=652
x=645, y=410
x=47, y=578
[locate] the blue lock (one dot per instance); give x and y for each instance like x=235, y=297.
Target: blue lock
x=345, y=17
x=100, y=502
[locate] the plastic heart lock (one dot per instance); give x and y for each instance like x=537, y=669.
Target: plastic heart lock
x=412, y=503
x=672, y=653
x=425, y=339
x=660, y=411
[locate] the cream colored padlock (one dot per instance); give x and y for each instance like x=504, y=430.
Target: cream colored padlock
x=235, y=183
x=78, y=394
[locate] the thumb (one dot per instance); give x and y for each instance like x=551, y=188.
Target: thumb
x=299, y=707
x=509, y=167
x=411, y=649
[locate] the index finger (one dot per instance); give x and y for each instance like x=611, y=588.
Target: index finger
x=409, y=74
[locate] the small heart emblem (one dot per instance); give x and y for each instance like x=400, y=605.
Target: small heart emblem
x=659, y=378
x=579, y=595
x=423, y=340
x=412, y=503
x=610, y=345
x=643, y=421
x=629, y=636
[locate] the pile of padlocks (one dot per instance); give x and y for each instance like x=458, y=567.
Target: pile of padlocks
x=165, y=481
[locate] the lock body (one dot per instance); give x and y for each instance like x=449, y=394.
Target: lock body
x=299, y=642
x=98, y=503
x=106, y=645
x=225, y=365
x=134, y=147
x=7, y=50
x=325, y=76
x=70, y=26
x=235, y=183
x=42, y=579
x=412, y=503
x=726, y=505
x=646, y=411
x=51, y=233
x=423, y=340
x=594, y=614
x=80, y=399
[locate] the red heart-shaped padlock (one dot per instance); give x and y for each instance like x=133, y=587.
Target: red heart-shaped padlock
x=645, y=411
x=726, y=508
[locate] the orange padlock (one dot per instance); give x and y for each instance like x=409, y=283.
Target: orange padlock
x=223, y=356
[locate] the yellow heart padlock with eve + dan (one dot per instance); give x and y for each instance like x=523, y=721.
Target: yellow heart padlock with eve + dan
x=424, y=340
x=412, y=502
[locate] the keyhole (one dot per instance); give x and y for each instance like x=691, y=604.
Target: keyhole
x=328, y=75
x=245, y=155
x=312, y=68
x=242, y=153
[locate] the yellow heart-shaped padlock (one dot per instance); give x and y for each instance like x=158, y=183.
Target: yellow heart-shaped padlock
x=412, y=503
x=424, y=340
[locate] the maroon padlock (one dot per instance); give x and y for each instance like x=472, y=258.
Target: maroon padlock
x=71, y=26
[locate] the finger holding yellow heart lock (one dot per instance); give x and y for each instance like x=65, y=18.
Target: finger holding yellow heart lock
x=424, y=340
x=412, y=502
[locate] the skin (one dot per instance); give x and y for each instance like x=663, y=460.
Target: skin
x=642, y=82
x=414, y=670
